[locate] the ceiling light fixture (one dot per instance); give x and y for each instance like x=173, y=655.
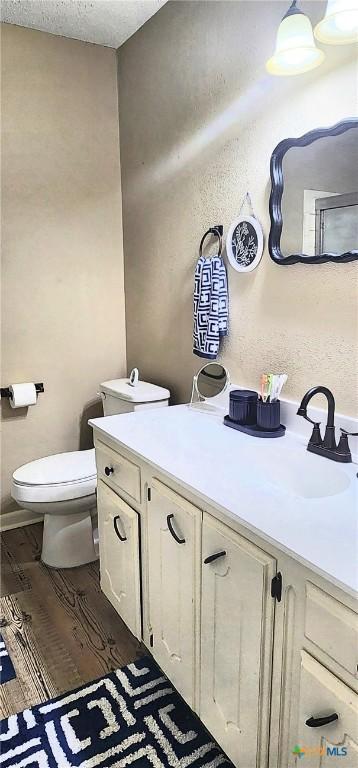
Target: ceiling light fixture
x=340, y=23
x=296, y=51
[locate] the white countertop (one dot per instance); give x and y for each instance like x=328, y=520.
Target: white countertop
x=218, y=465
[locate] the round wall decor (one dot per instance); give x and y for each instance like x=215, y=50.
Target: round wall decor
x=245, y=241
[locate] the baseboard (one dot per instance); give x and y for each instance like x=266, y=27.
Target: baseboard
x=18, y=518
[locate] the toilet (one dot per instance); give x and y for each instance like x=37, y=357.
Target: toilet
x=62, y=487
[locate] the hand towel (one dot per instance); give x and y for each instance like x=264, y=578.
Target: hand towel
x=211, y=305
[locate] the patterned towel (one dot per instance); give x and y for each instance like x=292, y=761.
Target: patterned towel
x=211, y=306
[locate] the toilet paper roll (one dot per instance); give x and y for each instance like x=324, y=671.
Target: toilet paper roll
x=22, y=395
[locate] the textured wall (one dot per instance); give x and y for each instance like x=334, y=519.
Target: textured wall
x=199, y=118
x=62, y=271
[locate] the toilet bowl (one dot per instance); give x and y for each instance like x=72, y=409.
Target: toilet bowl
x=62, y=487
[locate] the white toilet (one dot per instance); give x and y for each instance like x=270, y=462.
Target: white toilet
x=62, y=487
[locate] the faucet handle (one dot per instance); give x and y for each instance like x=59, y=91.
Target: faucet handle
x=343, y=445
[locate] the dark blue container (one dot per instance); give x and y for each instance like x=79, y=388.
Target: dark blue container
x=243, y=406
x=268, y=415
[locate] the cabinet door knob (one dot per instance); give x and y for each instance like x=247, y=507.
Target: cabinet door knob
x=172, y=531
x=318, y=722
x=115, y=524
x=211, y=558
x=109, y=471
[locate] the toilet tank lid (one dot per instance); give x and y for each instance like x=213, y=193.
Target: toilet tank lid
x=144, y=392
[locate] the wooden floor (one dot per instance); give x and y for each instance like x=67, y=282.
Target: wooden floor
x=59, y=628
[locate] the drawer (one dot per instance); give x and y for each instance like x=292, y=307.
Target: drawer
x=332, y=627
x=328, y=718
x=120, y=472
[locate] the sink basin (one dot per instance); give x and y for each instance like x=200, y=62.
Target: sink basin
x=303, y=475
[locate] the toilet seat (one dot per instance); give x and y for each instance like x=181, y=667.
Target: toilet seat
x=60, y=477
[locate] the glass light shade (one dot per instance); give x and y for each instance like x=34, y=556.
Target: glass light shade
x=340, y=23
x=296, y=50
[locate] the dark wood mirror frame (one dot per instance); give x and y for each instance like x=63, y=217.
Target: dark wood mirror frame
x=277, y=184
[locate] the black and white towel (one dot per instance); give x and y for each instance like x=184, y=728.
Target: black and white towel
x=211, y=306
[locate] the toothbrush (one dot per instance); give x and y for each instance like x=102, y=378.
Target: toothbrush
x=282, y=381
x=279, y=381
x=262, y=378
x=271, y=379
x=262, y=387
x=265, y=387
x=275, y=387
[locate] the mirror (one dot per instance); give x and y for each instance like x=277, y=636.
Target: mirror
x=212, y=380
x=314, y=197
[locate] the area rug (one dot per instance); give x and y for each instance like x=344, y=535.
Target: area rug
x=131, y=717
x=7, y=671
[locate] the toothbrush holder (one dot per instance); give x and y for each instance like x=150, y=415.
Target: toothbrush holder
x=268, y=415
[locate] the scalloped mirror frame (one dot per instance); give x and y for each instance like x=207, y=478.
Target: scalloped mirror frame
x=277, y=187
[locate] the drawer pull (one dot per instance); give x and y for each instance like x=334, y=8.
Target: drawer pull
x=172, y=531
x=211, y=558
x=318, y=722
x=108, y=471
x=122, y=538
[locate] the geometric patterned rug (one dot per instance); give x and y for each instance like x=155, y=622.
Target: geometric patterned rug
x=7, y=671
x=131, y=717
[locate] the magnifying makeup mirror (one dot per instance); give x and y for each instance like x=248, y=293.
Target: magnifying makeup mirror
x=211, y=381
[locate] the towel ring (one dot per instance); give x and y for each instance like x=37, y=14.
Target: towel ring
x=217, y=232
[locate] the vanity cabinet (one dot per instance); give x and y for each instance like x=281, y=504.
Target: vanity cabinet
x=255, y=656
x=119, y=556
x=174, y=529
x=237, y=615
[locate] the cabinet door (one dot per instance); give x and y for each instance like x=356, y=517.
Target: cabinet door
x=119, y=556
x=236, y=643
x=174, y=527
x=323, y=695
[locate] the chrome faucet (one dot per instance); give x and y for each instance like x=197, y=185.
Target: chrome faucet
x=327, y=446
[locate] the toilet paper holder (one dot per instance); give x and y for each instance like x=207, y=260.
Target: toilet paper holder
x=5, y=391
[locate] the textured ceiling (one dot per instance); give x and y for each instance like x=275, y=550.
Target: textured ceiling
x=106, y=22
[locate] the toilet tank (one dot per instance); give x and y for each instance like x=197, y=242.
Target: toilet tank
x=118, y=396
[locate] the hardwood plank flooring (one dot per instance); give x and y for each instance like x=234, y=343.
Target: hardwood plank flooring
x=59, y=628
